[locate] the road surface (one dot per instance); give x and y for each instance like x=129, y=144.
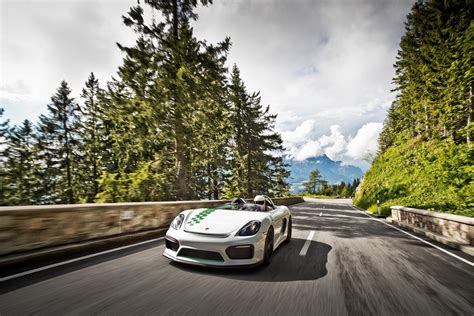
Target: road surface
x=352, y=265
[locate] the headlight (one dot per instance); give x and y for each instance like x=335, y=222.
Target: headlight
x=177, y=222
x=250, y=229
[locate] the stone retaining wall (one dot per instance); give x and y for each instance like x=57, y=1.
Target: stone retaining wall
x=24, y=228
x=455, y=228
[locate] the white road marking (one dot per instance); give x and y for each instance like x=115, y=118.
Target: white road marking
x=14, y=276
x=321, y=214
x=306, y=244
x=420, y=239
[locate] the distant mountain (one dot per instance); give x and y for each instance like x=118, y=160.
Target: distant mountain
x=332, y=171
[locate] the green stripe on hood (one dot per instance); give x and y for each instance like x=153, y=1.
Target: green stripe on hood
x=200, y=216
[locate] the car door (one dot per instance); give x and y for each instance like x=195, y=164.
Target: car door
x=278, y=215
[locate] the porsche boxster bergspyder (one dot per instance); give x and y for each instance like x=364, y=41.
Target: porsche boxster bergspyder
x=234, y=234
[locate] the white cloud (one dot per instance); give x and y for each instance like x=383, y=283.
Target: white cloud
x=364, y=145
x=300, y=134
x=334, y=144
x=356, y=150
x=310, y=149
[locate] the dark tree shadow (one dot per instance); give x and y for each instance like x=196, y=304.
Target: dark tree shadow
x=287, y=265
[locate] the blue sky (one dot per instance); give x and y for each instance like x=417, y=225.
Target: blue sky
x=324, y=66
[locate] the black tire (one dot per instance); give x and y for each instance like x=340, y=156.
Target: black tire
x=268, y=253
x=289, y=229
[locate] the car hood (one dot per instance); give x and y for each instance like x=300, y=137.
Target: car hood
x=219, y=222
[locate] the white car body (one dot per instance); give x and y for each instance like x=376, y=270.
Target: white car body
x=210, y=237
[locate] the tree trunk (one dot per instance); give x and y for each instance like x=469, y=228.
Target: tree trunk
x=181, y=183
x=215, y=185
x=249, y=172
x=70, y=195
x=182, y=190
x=209, y=182
x=96, y=154
x=469, y=115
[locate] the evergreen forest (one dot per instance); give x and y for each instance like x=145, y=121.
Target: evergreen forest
x=174, y=123
x=425, y=157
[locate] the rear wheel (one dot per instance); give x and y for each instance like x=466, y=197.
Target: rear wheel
x=288, y=234
x=267, y=255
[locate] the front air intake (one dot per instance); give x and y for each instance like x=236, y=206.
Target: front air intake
x=200, y=254
x=171, y=243
x=240, y=252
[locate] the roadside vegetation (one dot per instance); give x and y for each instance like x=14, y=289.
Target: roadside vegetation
x=174, y=124
x=426, y=158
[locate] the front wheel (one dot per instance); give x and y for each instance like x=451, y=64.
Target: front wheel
x=288, y=234
x=267, y=255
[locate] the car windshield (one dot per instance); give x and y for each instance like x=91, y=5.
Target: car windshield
x=249, y=207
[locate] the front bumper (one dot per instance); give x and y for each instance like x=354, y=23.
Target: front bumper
x=191, y=243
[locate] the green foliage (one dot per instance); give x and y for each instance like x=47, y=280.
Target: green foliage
x=254, y=167
x=170, y=126
x=93, y=139
x=435, y=175
x=175, y=90
x=434, y=77
x=58, y=142
x=320, y=196
x=4, y=181
x=314, y=183
x=425, y=157
x=21, y=166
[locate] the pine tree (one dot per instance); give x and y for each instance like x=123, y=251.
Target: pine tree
x=314, y=182
x=22, y=165
x=93, y=136
x=58, y=143
x=280, y=175
x=345, y=191
x=4, y=182
x=433, y=74
x=432, y=112
x=255, y=144
x=173, y=70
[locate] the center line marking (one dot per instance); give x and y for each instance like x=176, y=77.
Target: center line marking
x=306, y=244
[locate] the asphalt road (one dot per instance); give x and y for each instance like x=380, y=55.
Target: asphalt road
x=354, y=266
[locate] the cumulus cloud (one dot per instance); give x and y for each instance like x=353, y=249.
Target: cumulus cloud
x=309, y=149
x=300, y=134
x=356, y=150
x=364, y=145
x=334, y=144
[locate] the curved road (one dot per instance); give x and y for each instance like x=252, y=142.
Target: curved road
x=354, y=265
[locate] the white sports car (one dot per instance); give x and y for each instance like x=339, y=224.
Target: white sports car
x=235, y=234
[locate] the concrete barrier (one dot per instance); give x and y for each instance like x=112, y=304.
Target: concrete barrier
x=25, y=228
x=454, y=230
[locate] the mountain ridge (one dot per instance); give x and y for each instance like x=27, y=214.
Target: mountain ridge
x=332, y=171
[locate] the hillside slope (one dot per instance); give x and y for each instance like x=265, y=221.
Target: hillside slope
x=426, y=154
x=435, y=175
